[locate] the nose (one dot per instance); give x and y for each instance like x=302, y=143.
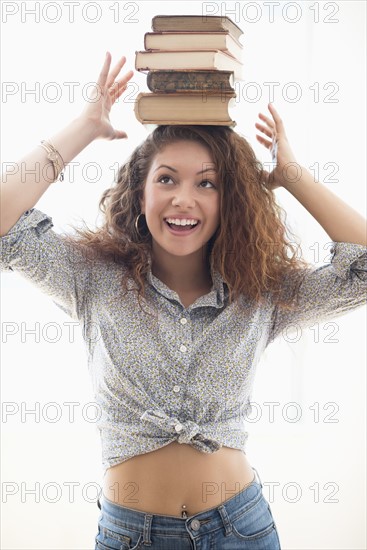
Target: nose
x=183, y=197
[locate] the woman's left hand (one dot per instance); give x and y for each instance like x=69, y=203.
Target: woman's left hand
x=287, y=170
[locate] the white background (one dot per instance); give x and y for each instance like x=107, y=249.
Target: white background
x=310, y=52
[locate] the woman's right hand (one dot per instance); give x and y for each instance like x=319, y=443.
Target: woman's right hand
x=106, y=91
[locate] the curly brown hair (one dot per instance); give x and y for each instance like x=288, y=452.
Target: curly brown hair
x=250, y=248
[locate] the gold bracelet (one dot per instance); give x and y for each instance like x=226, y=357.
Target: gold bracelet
x=55, y=157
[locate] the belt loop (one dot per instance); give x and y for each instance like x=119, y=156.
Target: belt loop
x=225, y=518
x=147, y=529
x=257, y=473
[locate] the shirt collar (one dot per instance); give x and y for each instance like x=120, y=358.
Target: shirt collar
x=215, y=298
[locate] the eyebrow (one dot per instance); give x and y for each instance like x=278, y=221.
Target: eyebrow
x=174, y=170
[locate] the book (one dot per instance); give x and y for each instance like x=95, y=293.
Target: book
x=190, y=59
x=170, y=81
x=210, y=23
x=178, y=108
x=193, y=41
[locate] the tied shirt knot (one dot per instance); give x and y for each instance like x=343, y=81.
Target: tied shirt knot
x=189, y=432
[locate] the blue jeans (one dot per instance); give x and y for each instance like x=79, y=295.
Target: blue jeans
x=242, y=521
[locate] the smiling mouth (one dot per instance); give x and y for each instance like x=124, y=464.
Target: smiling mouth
x=181, y=228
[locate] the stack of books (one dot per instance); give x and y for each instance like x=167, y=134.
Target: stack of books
x=191, y=62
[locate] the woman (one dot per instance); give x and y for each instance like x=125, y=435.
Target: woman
x=193, y=222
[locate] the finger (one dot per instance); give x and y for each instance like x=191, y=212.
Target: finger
x=268, y=121
x=276, y=117
x=266, y=131
x=265, y=142
x=104, y=72
x=121, y=135
x=115, y=71
x=120, y=85
x=115, y=94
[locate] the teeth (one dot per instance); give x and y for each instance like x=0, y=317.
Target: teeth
x=177, y=221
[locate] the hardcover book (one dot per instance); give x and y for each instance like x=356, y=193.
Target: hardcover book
x=206, y=23
x=193, y=59
x=161, y=41
x=170, y=81
x=207, y=108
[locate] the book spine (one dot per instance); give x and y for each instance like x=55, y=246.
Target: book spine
x=136, y=107
x=181, y=81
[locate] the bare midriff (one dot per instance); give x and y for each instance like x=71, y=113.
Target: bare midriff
x=178, y=477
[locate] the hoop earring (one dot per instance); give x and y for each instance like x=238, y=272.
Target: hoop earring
x=136, y=224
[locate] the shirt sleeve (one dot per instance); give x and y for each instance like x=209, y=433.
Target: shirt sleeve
x=58, y=268
x=326, y=292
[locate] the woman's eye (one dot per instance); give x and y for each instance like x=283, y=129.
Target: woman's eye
x=207, y=181
x=164, y=177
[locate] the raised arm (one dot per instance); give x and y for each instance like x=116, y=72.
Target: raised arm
x=340, y=221
x=331, y=290
x=20, y=188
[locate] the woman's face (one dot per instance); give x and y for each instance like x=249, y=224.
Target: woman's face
x=187, y=186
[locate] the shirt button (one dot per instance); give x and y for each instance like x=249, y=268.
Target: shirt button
x=195, y=524
x=183, y=321
x=178, y=427
x=183, y=348
x=176, y=388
